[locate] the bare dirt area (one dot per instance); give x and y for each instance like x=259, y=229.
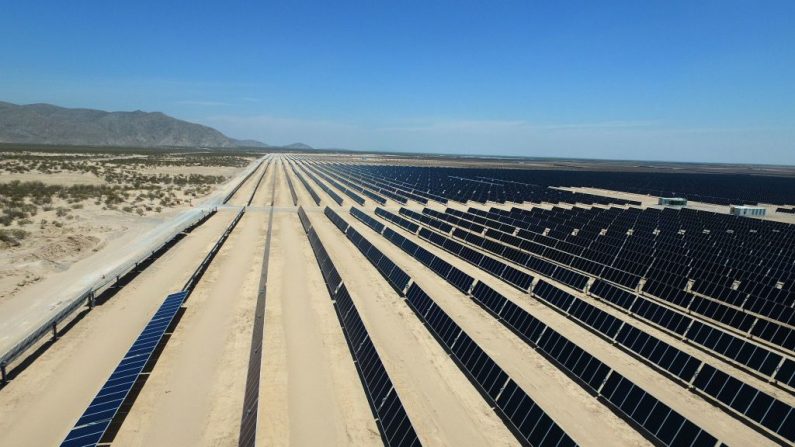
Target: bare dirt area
x=38, y=395
x=310, y=391
x=57, y=208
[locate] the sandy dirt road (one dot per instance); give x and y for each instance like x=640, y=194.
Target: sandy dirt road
x=42, y=404
x=241, y=197
x=310, y=392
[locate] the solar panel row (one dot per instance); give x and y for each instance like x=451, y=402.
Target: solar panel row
x=512, y=276
x=356, y=187
x=650, y=242
x=591, y=373
x=289, y=184
x=391, y=189
x=729, y=346
x=403, y=223
x=334, y=196
x=441, y=226
x=518, y=185
x=259, y=180
x=670, y=246
x=530, y=329
x=237, y=187
x=674, y=361
x=94, y=422
x=670, y=359
x=355, y=197
x=658, y=353
x=303, y=181
x=672, y=321
x=525, y=418
x=391, y=417
x=462, y=185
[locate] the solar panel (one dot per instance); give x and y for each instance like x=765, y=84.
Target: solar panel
x=94, y=422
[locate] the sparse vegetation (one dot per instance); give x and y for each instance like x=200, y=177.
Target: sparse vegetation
x=125, y=174
x=12, y=238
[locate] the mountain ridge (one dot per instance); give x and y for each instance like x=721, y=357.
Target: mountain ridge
x=49, y=124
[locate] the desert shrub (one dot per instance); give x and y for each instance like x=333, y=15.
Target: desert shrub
x=12, y=238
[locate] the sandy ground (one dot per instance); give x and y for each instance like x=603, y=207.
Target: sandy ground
x=40, y=407
x=59, y=178
x=227, y=171
x=194, y=395
x=87, y=229
x=310, y=391
x=63, y=274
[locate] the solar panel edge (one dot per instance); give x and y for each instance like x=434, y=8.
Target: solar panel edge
x=410, y=434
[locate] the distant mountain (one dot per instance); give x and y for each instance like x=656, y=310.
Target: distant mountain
x=299, y=146
x=251, y=143
x=49, y=124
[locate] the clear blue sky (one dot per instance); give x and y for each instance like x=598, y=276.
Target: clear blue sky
x=674, y=80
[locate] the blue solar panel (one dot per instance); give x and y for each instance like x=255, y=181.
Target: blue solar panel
x=94, y=422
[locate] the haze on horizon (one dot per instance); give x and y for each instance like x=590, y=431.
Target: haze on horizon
x=667, y=80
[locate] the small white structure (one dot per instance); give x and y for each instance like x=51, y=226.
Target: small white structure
x=672, y=201
x=746, y=210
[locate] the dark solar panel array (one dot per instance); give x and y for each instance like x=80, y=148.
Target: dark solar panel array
x=290, y=184
x=379, y=186
x=355, y=197
x=712, y=339
x=661, y=355
x=363, y=188
x=404, y=223
x=733, y=276
x=591, y=373
x=494, y=266
x=664, y=283
x=396, y=191
x=391, y=417
x=96, y=420
x=522, y=415
x=334, y=196
x=461, y=185
x=517, y=185
x=309, y=189
x=775, y=415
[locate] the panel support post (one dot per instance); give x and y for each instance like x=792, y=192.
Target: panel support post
x=4, y=378
x=55, y=331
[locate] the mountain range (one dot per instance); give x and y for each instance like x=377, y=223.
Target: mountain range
x=52, y=125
